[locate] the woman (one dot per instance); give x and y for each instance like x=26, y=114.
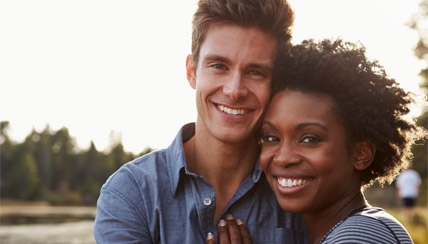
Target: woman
x=334, y=126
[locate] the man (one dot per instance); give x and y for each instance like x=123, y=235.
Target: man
x=211, y=170
x=407, y=184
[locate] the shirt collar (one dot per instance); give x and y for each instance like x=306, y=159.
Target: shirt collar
x=258, y=171
x=176, y=158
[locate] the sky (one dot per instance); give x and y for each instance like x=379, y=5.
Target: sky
x=103, y=66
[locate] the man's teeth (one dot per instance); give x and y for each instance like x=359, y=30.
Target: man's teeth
x=284, y=182
x=231, y=111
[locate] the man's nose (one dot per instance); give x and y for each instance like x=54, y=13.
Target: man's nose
x=235, y=87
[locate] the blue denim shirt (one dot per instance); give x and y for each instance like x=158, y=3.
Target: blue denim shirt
x=155, y=199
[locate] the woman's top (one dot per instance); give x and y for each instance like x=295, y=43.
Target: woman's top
x=368, y=225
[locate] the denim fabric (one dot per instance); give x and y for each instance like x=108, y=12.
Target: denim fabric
x=155, y=199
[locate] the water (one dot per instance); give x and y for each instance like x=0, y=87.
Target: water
x=64, y=233
x=29, y=224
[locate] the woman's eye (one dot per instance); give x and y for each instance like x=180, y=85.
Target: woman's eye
x=310, y=139
x=270, y=138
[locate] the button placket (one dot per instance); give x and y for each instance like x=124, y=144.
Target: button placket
x=207, y=201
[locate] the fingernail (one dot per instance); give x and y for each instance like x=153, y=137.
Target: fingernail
x=222, y=222
x=239, y=222
x=210, y=236
x=229, y=217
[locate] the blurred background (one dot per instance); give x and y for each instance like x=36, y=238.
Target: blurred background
x=88, y=85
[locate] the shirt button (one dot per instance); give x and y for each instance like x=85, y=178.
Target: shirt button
x=207, y=201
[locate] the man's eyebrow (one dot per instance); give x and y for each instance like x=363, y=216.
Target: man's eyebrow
x=302, y=125
x=217, y=58
x=262, y=66
x=266, y=66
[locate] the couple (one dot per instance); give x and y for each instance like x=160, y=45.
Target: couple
x=211, y=171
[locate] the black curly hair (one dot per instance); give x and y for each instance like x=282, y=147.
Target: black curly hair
x=370, y=104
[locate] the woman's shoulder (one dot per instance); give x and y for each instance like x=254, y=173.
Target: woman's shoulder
x=369, y=225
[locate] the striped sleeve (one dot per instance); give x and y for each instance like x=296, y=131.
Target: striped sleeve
x=370, y=226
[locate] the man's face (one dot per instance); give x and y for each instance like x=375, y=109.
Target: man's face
x=232, y=81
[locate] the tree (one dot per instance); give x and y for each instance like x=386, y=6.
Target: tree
x=62, y=160
x=419, y=23
x=23, y=180
x=386, y=196
x=6, y=148
x=47, y=166
x=90, y=185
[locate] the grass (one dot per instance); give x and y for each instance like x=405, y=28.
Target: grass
x=417, y=227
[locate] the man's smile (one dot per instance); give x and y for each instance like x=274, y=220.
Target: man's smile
x=232, y=111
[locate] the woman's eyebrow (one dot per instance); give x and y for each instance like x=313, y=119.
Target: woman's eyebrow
x=302, y=125
x=269, y=124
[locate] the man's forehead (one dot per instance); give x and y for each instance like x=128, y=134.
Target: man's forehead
x=224, y=42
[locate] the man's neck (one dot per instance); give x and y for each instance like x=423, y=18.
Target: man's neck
x=223, y=165
x=217, y=161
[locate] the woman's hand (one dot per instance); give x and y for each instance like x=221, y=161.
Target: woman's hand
x=231, y=231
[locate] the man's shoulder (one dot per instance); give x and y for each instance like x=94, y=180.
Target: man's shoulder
x=409, y=173
x=140, y=169
x=408, y=177
x=148, y=160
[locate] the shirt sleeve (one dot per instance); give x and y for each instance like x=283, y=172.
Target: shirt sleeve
x=361, y=229
x=118, y=218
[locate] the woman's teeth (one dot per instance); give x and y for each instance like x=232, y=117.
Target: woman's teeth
x=288, y=182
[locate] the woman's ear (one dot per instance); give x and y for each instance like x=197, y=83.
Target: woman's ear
x=190, y=67
x=364, y=154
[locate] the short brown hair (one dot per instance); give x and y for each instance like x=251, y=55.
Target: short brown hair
x=274, y=17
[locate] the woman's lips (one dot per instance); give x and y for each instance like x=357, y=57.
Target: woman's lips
x=288, y=185
x=291, y=182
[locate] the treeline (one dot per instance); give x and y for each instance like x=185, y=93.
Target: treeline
x=48, y=166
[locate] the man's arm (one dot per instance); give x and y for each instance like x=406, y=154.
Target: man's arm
x=119, y=219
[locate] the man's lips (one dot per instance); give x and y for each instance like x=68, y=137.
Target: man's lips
x=232, y=111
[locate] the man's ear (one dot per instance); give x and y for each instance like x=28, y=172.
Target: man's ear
x=190, y=67
x=364, y=154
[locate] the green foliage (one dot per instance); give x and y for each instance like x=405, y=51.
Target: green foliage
x=48, y=166
x=419, y=24
x=23, y=179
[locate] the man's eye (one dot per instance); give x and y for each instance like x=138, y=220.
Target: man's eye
x=218, y=66
x=257, y=73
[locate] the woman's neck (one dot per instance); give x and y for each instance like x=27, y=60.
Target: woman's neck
x=319, y=223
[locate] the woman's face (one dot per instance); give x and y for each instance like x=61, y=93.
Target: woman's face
x=304, y=153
